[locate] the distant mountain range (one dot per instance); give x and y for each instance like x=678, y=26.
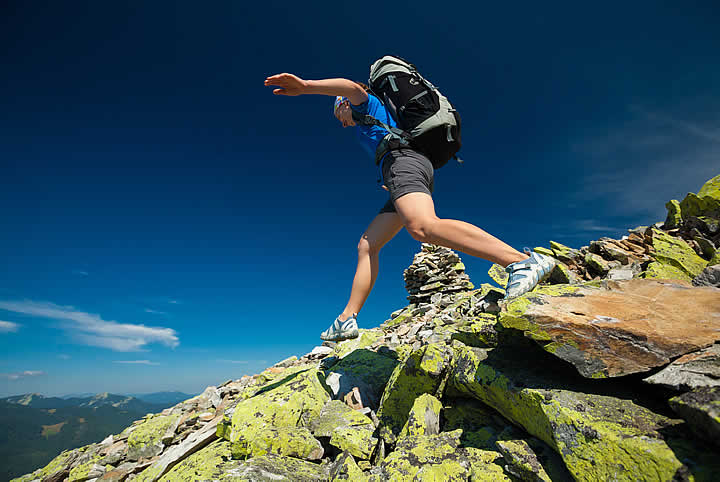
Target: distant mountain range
x=35, y=428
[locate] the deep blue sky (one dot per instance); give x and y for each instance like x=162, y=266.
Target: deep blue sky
x=168, y=223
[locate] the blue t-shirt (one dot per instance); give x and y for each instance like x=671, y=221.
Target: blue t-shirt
x=370, y=136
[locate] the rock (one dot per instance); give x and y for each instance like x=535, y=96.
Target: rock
x=674, y=217
x=675, y=252
x=424, y=417
x=345, y=468
x=146, y=440
x=561, y=274
x=367, y=370
x=597, y=263
x=624, y=273
x=421, y=372
x=694, y=370
x=629, y=327
x=290, y=402
x=353, y=399
x=480, y=331
x=365, y=339
x=357, y=440
x=701, y=409
x=598, y=437
x=522, y=461
x=177, y=453
x=86, y=471
x=337, y=414
x=710, y=276
x=295, y=442
x=545, y=251
x=498, y=274
x=431, y=451
x=277, y=467
x=564, y=253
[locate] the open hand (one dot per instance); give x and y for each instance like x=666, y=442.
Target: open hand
x=288, y=84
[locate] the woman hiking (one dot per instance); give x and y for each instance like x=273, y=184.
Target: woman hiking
x=408, y=176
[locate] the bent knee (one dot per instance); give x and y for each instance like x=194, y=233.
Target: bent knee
x=368, y=247
x=421, y=230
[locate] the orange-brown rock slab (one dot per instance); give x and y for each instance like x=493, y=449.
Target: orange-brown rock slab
x=624, y=327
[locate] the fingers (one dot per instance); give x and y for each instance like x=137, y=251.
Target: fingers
x=279, y=92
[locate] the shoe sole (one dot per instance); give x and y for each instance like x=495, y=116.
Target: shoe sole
x=347, y=336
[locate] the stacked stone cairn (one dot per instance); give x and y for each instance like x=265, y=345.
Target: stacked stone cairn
x=435, y=269
x=610, y=370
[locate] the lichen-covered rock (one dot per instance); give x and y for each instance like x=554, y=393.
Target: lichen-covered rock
x=421, y=372
x=480, y=424
x=701, y=409
x=597, y=263
x=424, y=417
x=367, y=370
x=674, y=216
x=57, y=466
x=337, y=414
x=210, y=463
x=675, y=252
x=561, y=274
x=295, y=442
x=345, y=468
x=279, y=468
x=365, y=339
x=412, y=453
x=480, y=330
x=598, y=437
x=564, y=253
x=498, y=274
x=290, y=402
x=358, y=441
x=522, y=461
x=146, y=440
x=86, y=471
x=627, y=327
x=485, y=466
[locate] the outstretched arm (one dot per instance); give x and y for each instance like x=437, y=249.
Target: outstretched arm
x=289, y=84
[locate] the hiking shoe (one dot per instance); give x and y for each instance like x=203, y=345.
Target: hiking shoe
x=526, y=274
x=341, y=330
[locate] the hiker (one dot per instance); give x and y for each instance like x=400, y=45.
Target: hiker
x=408, y=176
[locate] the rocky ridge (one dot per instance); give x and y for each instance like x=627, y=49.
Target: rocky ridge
x=608, y=371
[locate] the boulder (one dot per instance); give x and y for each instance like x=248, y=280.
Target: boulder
x=710, y=276
x=421, y=372
x=345, y=468
x=424, y=417
x=521, y=461
x=598, y=437
x=146, y=440
x=675, y=252
x=290, y=402
x=357, y=440
x=701, y=409
x=626, y=327
x=694, y=370
x=367, y=370
x=337, y=414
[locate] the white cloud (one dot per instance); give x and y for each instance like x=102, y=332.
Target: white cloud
x=637, y=167
x=63, y=356
x=81, y=272
x=137, y=362
x=174, y=302
x=8, y=327
x=25, y=374
x=91, y=329
x=148, y=310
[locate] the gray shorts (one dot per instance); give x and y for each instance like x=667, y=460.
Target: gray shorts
x=405, y=171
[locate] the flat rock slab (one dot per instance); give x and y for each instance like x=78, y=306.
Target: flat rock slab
x=694, y=370
x=620, y=328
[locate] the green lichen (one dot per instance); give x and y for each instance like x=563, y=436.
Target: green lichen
x=403, y=317
x=146, y=439
x=674, y=217
x=480, y=331
x=278, y=467
x=498, y=274
x=676, y=252
x=366, y=338
x=291, y=402
x=357, y=441
x=657, y=270
x=345, y=468
x=447, y=470
x=522, y=460
x=484, y=466
x=291, y=441
x=337, y=413
x=81, y=472
x=545, y=251
x=209, y=463
x=425, y=410
x=421, y=372
x=57, y=464
x=711, y=188
x=598, y=437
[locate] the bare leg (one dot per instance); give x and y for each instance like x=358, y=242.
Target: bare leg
x=381, y=230
x=417, y=212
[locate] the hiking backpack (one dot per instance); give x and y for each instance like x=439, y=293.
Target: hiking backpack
x=427, y=121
